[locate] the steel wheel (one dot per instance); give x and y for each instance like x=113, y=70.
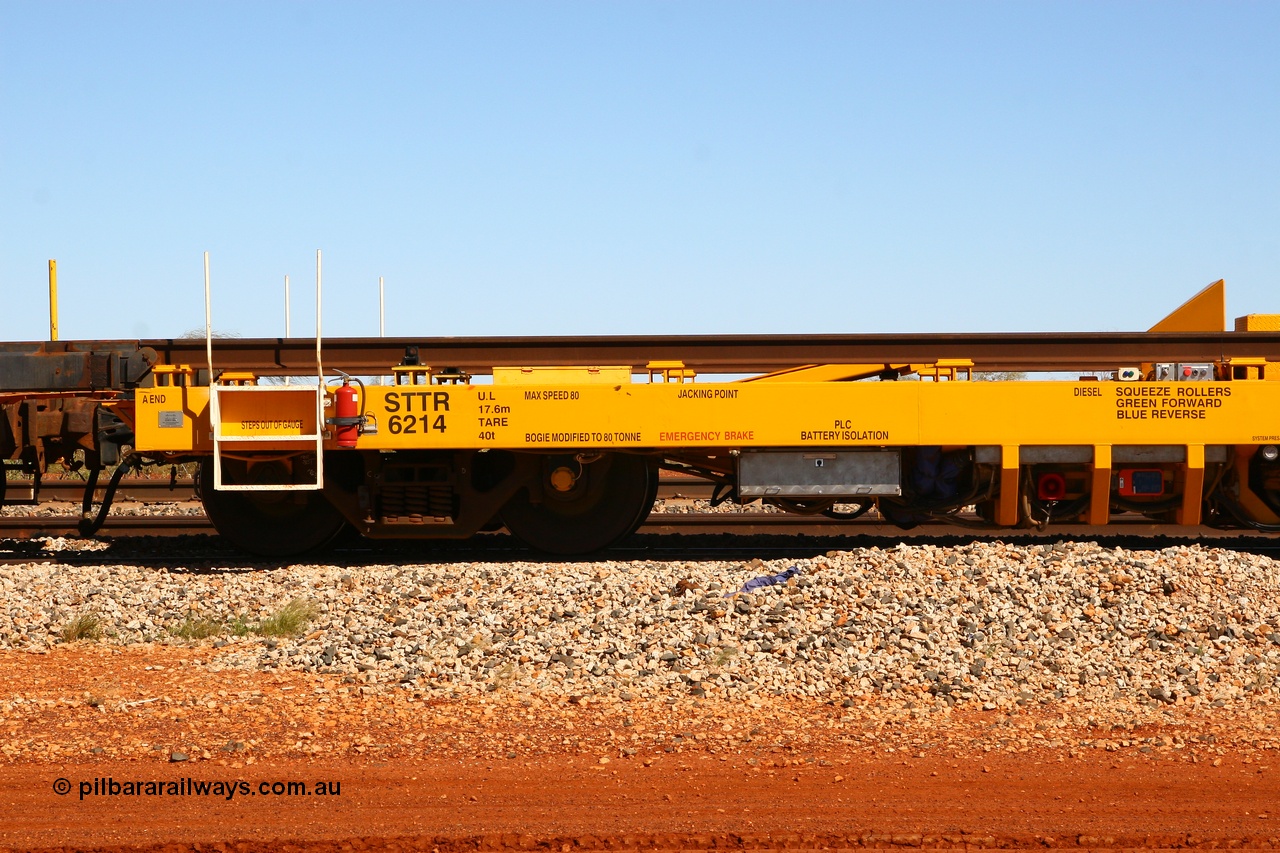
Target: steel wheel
x=269, y=524
x=583, y=506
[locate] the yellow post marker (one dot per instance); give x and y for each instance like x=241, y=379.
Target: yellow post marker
x=1193, y=487
x=53, y=299
x=1010, y=473
x=1100, y=487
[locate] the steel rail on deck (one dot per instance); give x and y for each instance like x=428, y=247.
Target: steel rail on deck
x=734, y=353
x=1039, y=351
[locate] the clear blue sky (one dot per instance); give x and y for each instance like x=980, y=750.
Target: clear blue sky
x=621, y=167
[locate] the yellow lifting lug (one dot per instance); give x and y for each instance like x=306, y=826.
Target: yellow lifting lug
x=670, y=371
x=1251, y=368
x=451, y=376
x=947, y=368
x=237, y=377
x=421, y=374
x=173, y=374
x=411, y=374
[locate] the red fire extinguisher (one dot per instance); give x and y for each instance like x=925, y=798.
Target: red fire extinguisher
x=346, y=415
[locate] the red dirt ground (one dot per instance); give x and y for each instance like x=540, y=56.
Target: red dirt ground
x=456, y=774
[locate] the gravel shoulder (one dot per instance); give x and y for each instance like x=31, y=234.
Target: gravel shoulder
x=982, y=694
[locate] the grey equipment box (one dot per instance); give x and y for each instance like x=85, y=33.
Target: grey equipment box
x=819, y=473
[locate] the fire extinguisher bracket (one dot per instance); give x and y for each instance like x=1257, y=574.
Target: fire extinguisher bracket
x=348, y=419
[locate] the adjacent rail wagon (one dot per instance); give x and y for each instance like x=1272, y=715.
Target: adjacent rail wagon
x=561, y=441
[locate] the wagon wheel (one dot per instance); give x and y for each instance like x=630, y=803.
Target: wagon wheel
x=578, y=507
x=270, y=523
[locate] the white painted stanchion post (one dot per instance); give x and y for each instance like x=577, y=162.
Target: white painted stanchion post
x=287, y=380
x=320, y=389
x=215, y=412
x=208, y=322
x=382, y=318
x=319, y=368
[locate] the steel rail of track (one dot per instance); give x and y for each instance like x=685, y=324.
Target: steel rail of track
x=26, y=526
x=150, y=490
x=671, y=487
x=130, y=489
x=1030, y=351
x=724, y=523
x=30, y=526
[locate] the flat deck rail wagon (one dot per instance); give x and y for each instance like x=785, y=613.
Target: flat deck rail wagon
x=561, y=440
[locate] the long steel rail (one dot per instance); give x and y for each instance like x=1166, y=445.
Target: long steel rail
x=1039, y=351
x=734, y=353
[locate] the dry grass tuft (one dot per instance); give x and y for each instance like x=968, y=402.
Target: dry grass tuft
x=193, y=628
x=289, y=620
x=86, y=626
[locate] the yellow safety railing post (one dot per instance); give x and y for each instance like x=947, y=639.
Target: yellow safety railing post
x=53, y=299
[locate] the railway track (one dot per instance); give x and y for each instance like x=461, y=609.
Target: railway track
x=153, y=490
x=157, y=491
x=692, y=534
x=735, y=524
x=677, y=488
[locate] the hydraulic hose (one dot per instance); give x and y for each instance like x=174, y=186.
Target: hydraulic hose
x=89, y=526
x=1237, y=512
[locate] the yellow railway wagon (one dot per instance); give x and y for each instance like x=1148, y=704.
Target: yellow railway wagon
x=566, y=457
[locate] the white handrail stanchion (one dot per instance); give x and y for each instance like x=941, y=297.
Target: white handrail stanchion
x=208, y=322
x=319, y=369
x=247, y=400
x=215, y=411
x=288, y=380
x=320, y=388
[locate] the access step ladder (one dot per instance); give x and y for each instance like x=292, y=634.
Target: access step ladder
x=264, y=422
x=250, y=418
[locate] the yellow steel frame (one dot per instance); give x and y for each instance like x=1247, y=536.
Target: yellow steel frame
x=729, y=416
x=714, y=415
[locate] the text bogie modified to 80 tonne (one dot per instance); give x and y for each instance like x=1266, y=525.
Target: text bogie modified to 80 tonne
x=566, y=457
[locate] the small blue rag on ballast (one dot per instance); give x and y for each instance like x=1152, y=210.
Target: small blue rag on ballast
x=767, y=580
